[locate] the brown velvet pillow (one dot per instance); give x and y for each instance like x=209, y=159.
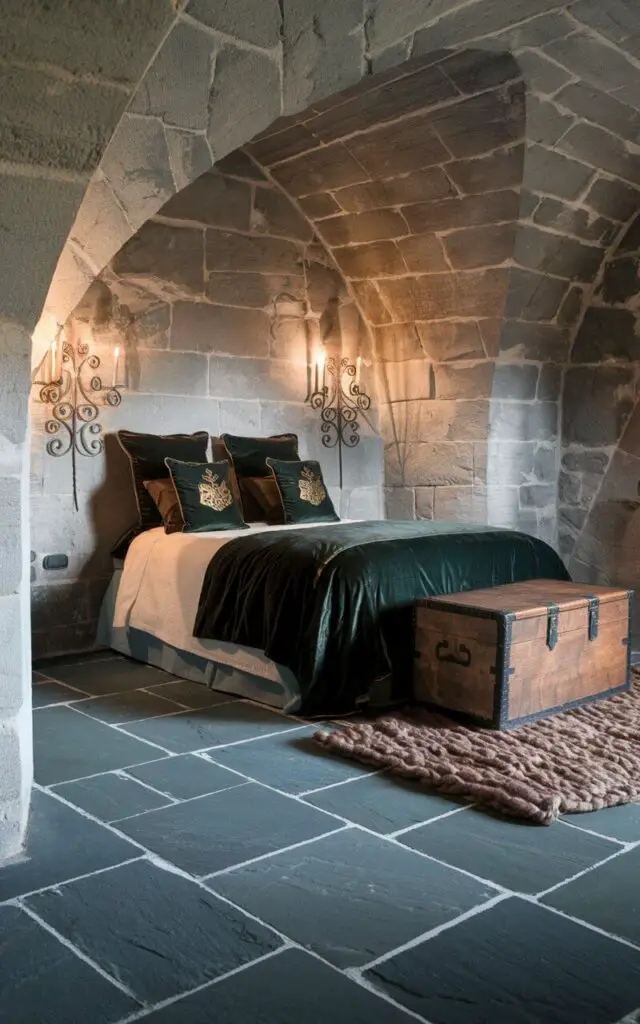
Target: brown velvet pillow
x=165, y=497
x=235, y=448
x=263, y=491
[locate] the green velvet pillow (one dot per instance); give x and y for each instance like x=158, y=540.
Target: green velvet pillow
x=249, y=454
x=205, y=496
x=304, y=496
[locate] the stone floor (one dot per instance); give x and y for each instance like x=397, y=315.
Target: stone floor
x=193, y=858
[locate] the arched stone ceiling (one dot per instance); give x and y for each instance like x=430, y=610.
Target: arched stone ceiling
x=226, y=71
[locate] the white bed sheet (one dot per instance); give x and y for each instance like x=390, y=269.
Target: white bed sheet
x=160, y=589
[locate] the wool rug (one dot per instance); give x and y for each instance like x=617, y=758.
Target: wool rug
x=579, y=760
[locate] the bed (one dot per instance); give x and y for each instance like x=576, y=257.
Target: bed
x=317, y=618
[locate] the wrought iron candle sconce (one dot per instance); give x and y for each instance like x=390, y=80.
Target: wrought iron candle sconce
x=75, y=393
x=339, y=396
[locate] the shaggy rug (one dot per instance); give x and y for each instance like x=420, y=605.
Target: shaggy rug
x=580, y=760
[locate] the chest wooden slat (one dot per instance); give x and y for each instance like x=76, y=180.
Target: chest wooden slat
x=513, y=653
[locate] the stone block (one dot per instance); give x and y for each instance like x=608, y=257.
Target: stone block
x=270, y=380
x=136, y=164
x=505, y=462
x=365, y=503
x=490, y=328
x=474, y=71
x=631, y=240
x=189, y=155
x=281, y=143
x=441, y=463
x=397, y=148
x=553, y=174
x=232, y=124
x=487, y=246
x=377, y=259
x=602, y=150
x=621, y=280
x=549, y=384
x=226, y=251
x=412, y=379
x=212, y=200
x=327, y=168
x=586, y=460
x=500, y=170
x=617, y=21
x=569, y=489
x=320, y=205
x=613, y=198
x=444, y=341
x=524, y=421
x=253, y=21
x=622, y=479
x=422, y=254
x=170, y=373
x=419, y=186
x=325, y=285
x=543, y=76
x=537, y=495
x=57, y=603
x=545, y=122
x=239, y=417
x=607, y=334
x=439, y=296
x=173, y=255
x=533, y=296
x=541, y=342
x=556, y=254
x=274, y=214
x=151, y=328
x=545, y=466
x=598, y=107
x=571, y=307
x=400, y=503
x=27, y=271
x=353, y=228
x=323, y=57
x=373, y=308
x=426, y=87
x=389, y=22
x=15, y=345
x=630, y=440
x=456, y=382
x=438, y=420
x=460, y=25
x=100, y=227
x=456, y=505
x=425, y=502
x=483, y=123
x=240, y=165
x=462, y=212
x=515, y=382
x=200, y=327
x=597, y=403
x=176, y=85
x=571, y=220
x=255, y=291
x=592, y=61
x=397, y=342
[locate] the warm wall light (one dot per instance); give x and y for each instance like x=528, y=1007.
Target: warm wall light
x=339, y=396
x=71, y=387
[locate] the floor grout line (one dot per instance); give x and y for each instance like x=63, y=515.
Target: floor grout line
x=179, y=803
x=67, y=881
x=343, y=782
x=266, y=856
x=581, y=921
x=598, y=835
x=580, y=874
x=78, y=952
x=430, y=821
x=121, y=773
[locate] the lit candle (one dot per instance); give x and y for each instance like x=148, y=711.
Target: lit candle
x=358, y=369
x=116, y=356
x=320, y=370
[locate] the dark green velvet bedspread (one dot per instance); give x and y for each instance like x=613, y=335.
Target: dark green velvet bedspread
x=333, y=603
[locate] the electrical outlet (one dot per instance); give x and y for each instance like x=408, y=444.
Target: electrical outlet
x=55, y=562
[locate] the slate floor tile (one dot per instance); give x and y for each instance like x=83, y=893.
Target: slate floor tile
x=153, y=930
x=186, y=776
x=292, y=762
x=47, y=693
x=515, y=963
x=129, y=706
x=191, y=695
x=621, y=822
x=278, y=990
x=110, y=797
x=44, y=982
x=382, y=803
x=45, y=665
x=68, y=746
x=215, y=832
x=211, y=727
x=608, y=896
x=526, y=858
x=61, y=844
x=103, y=676
x=351, y=896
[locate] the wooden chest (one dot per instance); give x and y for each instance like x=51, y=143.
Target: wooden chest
x=510, y=654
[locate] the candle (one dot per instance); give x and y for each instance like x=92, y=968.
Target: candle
x=54, y=361
x=320, y=364
x=116, y=356
x=358, y=369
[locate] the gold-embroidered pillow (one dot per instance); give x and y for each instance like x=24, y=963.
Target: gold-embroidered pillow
x=305, y=498
x=205, y=496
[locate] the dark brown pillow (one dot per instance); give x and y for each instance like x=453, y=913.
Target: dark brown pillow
x=165, y=497
x=147, y=452
x=247, y=456
x=220, y=454
x=263, y=492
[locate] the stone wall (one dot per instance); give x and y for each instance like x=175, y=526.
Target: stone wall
x=67, y=74
x=599, y=509
x=219, y=303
